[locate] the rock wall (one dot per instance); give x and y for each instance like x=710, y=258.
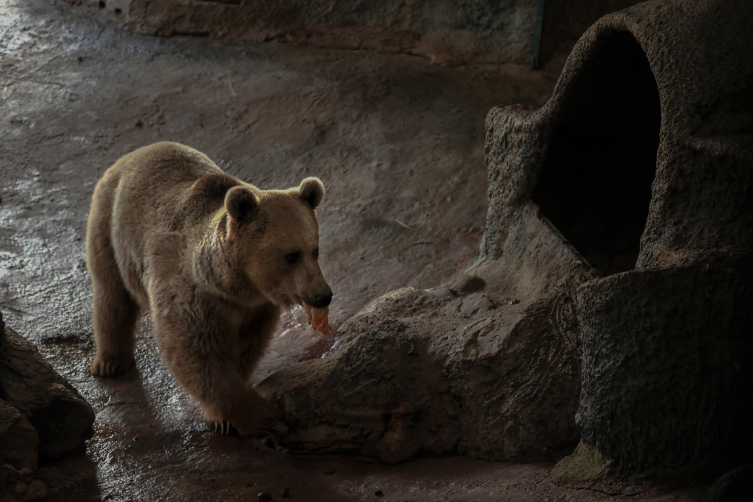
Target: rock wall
x=642, y=161
x=448, y=32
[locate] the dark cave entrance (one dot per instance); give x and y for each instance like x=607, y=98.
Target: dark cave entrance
x=595, y=184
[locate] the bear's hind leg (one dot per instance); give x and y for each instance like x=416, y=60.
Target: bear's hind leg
x=115, y=312
x=114, y=318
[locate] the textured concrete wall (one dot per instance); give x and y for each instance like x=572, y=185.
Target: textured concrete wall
x=446, y=31
x=449, y=32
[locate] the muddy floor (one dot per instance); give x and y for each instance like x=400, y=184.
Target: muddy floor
x=399, y=145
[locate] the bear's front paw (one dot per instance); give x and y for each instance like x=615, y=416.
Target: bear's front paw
x=268, y=420
x=110, y=366
x=223, y=427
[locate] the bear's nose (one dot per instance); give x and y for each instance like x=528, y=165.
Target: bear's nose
x=324, y=298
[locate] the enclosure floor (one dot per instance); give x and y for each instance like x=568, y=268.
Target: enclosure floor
x=399, y=144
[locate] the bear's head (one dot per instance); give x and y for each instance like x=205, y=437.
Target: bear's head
x=271, y=237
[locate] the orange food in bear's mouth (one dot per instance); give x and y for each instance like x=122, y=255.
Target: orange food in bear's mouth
x=318, y=318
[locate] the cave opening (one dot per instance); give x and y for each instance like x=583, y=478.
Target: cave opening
x=595, y=184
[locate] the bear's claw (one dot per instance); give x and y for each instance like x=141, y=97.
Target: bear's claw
x=223, y=427
x=280, y=427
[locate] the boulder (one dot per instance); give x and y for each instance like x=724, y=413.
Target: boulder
x=61, y=418
x=18, y=439
x=416, y=375
x=19, y=485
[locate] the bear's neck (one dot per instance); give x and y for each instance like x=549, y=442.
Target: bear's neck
x=216, y=268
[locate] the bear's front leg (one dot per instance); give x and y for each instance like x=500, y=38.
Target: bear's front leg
x=204, y=365
x=269, y=423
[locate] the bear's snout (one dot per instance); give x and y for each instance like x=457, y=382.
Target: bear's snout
x=323, y=298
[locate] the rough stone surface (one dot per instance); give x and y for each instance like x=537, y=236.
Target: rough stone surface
x=18, y=439
x=734, y=486
x=61, y=417
x=19, y=485
x=667, y=356
x=419, y=375
x=642, y=160
x=466, y=284
x=445, y=31
x=448, y=32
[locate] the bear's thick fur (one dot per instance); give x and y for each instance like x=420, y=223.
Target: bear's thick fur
x=214, y=259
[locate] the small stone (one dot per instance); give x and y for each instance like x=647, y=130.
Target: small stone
x=264, y=497
x=468, y=284
x=285, y=493
x=139, y=123
x=378, y=493
x=476, y=303
x=36, y=491
x=442, y=293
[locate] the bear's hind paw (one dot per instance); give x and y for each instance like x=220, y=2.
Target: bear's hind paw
x=279, y=426
x=110, y=366
x=223, y=427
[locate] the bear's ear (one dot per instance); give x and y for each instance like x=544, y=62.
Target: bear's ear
x=312, y=192
x=241, y=203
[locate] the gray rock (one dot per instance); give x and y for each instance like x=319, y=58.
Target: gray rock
x=61, y=417
x=18, y=439
x=475, y=303
x=442, y=293
x=467, y=284
x=19, y=485
x=734, y=486
x=407, y=383
x=666, y=365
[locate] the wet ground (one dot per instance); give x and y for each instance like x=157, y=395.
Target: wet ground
x=399, y=145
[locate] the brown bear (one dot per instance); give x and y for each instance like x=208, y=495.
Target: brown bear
x=214, y=259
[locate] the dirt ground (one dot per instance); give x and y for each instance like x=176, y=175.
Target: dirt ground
x=399, y=145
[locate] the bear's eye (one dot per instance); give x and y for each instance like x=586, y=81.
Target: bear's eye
x=293, y=257
x=316, y=253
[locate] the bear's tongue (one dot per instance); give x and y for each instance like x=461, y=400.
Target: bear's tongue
x=318, y=318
